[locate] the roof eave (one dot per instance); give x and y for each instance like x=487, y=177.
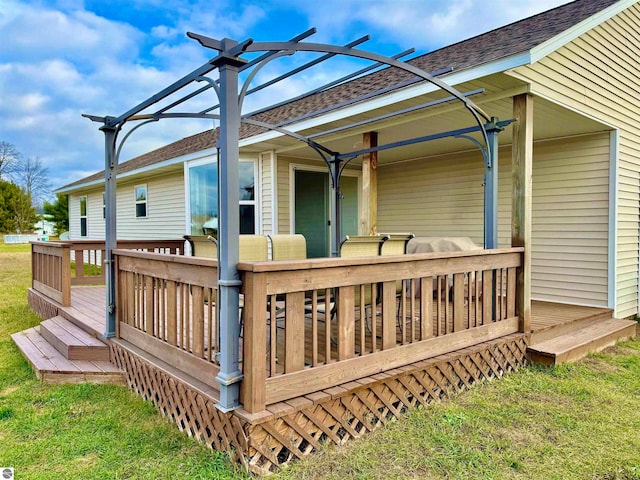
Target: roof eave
x=455, y=78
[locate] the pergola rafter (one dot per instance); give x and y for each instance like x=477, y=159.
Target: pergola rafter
x=229, y=63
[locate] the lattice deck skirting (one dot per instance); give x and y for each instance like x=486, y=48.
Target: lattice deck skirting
x=42, y=306
x=297, y=428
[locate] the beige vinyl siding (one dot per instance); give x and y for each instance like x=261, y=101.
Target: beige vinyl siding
x=266, y=198
x=95, y=221
x=165, y=208
x=443, y=196
x=599, y=74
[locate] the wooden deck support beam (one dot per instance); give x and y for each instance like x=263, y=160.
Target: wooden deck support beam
x=369, y=222
x=521, y=165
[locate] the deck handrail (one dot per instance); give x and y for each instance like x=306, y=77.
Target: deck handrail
x=59, y=265
x=166, y=307
x=447, y=300
x=51, y=270
x=309, y=325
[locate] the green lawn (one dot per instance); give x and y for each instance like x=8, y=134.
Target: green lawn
x=578, y=421
x=82, y=431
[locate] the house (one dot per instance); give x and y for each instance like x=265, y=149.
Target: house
x=569, y=77
x=578, y=63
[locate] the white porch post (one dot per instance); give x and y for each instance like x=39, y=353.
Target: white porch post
x=521, y=164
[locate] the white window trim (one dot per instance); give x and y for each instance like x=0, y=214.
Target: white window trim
x=256, y=195
x=85, y=216
x=139, y=202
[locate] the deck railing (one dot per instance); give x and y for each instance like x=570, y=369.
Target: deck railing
x=87, y=256
x=166, y=307
x=56, y=266
x=51, y=271
x=314, y=324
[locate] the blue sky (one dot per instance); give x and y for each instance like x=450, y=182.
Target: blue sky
x=62, y=58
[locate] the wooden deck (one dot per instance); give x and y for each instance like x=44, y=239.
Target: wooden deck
x=87, y=308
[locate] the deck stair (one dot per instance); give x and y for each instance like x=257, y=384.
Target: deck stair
x=60, y=352
x=571, y=341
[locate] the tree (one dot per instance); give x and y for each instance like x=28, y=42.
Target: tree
x=16, y=212
x=8, y=157
x=33, y=176
x=59, y=211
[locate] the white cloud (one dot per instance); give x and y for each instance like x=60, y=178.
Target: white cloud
x=58, y=59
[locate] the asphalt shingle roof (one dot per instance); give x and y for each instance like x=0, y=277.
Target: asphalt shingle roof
x=517, y=37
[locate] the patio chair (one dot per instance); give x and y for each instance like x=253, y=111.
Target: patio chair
x=288, y=247
x=254, y=248
x=203, y=246
x=396, y=244
x=363, y=246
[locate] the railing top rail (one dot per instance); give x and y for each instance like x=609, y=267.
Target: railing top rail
x=169, y=258
x=88, y=241
x=48, y=243
x=322, y=263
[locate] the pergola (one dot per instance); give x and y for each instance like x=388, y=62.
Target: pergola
x=230, y=74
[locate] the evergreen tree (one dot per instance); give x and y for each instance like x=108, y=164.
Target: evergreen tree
x=59, y=211
x=17, y=215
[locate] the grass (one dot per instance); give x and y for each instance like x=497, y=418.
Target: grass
x=576, y=421
x=82, y=431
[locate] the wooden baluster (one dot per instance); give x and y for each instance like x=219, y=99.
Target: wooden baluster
x=426, y=308
x=388, y=315
x=487, y=297
x=327, y=326
x=346, y=322
x=458, y=302
x=273, y=336
x=511, y=292
x=314, y=328
x=171, y=313
x=79, y=259
x=294, y=332
x=363, y=321
x=148, y=305
x=374, y=318
x=198, y=320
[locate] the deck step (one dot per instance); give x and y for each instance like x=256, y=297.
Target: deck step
x=575, y=345
x=52, y=367
x=72, y=342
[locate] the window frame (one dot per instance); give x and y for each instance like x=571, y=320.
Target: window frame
x=144, y=202
x=257, y=227
x=84, y=221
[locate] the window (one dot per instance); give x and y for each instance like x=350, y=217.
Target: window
x=83, y=216
x=203, y=198
x=141, y=200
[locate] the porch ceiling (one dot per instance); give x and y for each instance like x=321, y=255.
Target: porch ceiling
x=550, y=121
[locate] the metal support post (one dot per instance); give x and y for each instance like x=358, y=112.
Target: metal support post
x=491, y=186
x=228, y=233
x=110, y=173
x=335, y=222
